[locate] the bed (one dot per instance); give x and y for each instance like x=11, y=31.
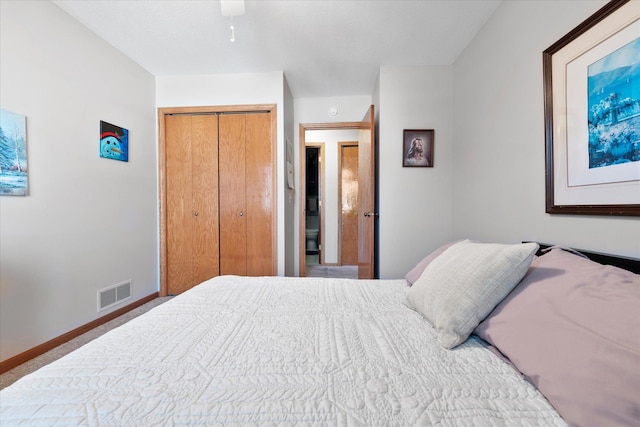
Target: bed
x=239, y=351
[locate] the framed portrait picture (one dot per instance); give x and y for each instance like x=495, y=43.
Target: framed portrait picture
x=417, y=148
x=592, y=115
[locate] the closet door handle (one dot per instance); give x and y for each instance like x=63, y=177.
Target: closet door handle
x=241, y=213
x=195, y=213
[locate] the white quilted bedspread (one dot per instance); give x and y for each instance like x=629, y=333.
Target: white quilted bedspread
x=277, y=351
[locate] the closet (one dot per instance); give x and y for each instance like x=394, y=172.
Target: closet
x=217, y=179
x=191, y=190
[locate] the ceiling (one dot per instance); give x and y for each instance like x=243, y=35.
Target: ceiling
x=324, y=47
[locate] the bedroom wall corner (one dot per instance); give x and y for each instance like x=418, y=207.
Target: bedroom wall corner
x=290, y=193
x=499, y=157
x=87, y=222
x=414, y=203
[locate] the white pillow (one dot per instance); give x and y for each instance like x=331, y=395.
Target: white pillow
x=463, y=285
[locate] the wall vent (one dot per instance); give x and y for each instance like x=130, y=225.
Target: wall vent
x=108, y=297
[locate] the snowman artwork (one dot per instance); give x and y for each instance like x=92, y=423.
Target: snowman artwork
x=114, y=142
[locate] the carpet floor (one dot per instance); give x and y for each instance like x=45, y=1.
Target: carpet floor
x=18, y=372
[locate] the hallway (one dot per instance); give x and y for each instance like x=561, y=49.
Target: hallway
x=313, y=269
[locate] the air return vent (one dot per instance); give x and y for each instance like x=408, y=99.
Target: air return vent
x=108, y=297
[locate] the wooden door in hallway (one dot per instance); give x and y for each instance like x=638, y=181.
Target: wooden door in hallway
x=366, y=196
x=348, y=199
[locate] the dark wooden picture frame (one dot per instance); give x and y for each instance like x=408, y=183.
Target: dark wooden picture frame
x=591, y=198
x=417, y=148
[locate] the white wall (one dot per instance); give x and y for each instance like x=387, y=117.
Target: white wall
x=315, y=110
x=414, y=203
x=290, y=193
x=499, y=159
x=332, y=208
x=235, y=89
x=376, y=124
x=87, y=222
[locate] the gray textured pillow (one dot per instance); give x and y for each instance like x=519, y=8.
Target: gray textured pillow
x=462, y=286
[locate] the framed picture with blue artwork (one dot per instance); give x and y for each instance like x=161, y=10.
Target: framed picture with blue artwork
x=13, y=154
x=592, y=115
x=114, y=142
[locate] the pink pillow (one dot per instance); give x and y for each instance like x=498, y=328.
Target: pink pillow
x=572, y=326
x=416, y=271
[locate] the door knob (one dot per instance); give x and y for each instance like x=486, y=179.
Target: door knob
x=370, y=214
x=241, y=213
x=195, y=213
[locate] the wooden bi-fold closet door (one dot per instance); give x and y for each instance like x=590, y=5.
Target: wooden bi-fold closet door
x=246, y=195
x=218, y=195
x=192, y=239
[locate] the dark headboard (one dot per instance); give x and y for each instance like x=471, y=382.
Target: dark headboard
x=628, y=263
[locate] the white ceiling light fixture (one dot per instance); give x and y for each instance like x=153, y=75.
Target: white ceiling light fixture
x=232, y=8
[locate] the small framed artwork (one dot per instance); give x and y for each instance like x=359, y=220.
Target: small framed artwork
x=592, y=115
x=417, y=148
x=13, y=154
x=114, y=142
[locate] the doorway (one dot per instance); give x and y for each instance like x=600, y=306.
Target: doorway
x=364, y=134
x=331, y=204
x=314, y=209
